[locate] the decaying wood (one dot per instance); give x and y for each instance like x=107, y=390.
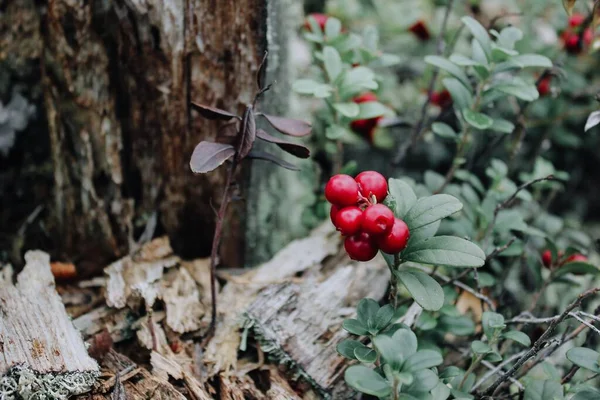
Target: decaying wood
x=123, y=379
x=300, y=324
x=40, y=350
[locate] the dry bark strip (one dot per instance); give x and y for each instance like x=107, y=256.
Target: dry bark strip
x=40, y=350
x=300, y=324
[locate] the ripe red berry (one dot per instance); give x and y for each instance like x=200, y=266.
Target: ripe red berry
x=441, y=99
x=572, y=43
x=333, y=212
x=395, y=241
x=378, y=219
x=365, y=127
x=576, y=19
x=420, y=30
x=360, y=247
x=547, y=258
x=342, y=190
x=543, y=86
x=321, y=19
x=576, y=258
x=372, y=183
x=349, y=220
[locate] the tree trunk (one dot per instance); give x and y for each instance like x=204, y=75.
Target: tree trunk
x=118, y=81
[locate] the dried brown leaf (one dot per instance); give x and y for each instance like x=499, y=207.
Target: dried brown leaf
x=262, y=72
x=569, y=4
x=262, y=155
x=247, y=133
x=292, y=127
x=213, y=112
x=295, y=149
x=207, y=156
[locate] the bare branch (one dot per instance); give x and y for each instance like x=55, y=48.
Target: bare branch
x=539, y=344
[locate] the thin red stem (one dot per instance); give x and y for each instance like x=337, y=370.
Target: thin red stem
x=215, y=246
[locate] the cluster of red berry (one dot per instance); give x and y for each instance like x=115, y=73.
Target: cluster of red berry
x=572, y=35
x=357, y=212
x=549, y=263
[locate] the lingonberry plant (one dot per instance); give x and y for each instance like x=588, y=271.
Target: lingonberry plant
x=490, y=293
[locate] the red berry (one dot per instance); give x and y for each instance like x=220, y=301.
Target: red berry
x=349, y=220
x=395, y=241
x=365, y=127
x=378, y=219
x=333, y=212
x=576, y=258
x=575, y=20
x=419, y=29
x=547, y=258
x=372, y=182
x=544, y=85
x=360, y=247
x=572, y=43
x=441, y=99
x=342, y=190
x=321, y=19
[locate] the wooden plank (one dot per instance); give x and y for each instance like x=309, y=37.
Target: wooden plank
x=40, y=350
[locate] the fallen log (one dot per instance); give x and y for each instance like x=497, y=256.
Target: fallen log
x=42, y=355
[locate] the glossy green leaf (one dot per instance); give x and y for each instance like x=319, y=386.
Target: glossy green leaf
x=443, y=130
x=479, y=33
x=448, y=66
x=543, y=390
x=404, y=196
x=518, y=337
x=423, y=288
x=532, y=60
x=585, y=358
x=520, y=90
x=365, y=355
x=577, y=267
x=367, y=381
x=461, y=96
x=349, y=110
x=333, y=62
x=425, y=381
x=333, y=27
x=371, y=109
x=366, y=311
x=347, y=346
x=587, y=394
x=502, y=125
x=480, y=347
x=477, y=120
x=430, y=209
x=446, y=251
x=491, y=321
x=383, y=317
x=355, y=327
x=422, y=359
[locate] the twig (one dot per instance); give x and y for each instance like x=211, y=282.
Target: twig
x=567, y=378
x=537, y=346
x=497, y=369
x=500, y=249
x=583, y=321
x=419, y=127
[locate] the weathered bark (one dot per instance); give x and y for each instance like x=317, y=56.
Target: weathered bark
x=40, y=350
x=117, y=84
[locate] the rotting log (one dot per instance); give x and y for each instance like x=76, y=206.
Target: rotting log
x=41, y=353
x=300, y=324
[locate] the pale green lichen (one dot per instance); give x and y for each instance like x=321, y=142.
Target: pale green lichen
x=21, y=383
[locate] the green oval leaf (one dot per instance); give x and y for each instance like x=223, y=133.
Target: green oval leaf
x=450, y=67
x=349, y=110
x=422, y=359
x=333, y=62
x=479, y=33
x=346, y=348
x=543, y=390
x=403, y=195
x=443, y=130
x=480, y=347
x=424, y=289
x=355, y=327
x=477, y=120
x=446, y=251
x=518, y=337
x=365, y=354
x=461, y=96
x=430, y=209
x=577, y=267
x=367, y=381
x=585, y=358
